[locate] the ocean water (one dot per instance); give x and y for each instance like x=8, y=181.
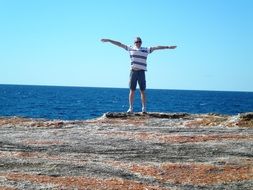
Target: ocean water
x=72, y=103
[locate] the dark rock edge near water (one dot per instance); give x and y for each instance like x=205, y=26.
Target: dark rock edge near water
x=151, y=114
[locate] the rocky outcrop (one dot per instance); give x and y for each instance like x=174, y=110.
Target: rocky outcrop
x=128, y=151
x=246, y=116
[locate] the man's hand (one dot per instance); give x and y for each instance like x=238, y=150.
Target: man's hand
x=105, y=40
x=115, y=43
x=162, y=47
x=172, y=47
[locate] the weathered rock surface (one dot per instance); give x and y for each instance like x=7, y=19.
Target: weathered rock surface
x=121, y=151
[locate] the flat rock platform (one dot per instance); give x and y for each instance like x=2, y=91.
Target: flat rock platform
x=119, y=151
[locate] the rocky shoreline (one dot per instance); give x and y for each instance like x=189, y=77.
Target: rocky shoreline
x=121, y=151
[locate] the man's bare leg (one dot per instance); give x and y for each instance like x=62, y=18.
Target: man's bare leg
x=131, y=101
x=143, y=101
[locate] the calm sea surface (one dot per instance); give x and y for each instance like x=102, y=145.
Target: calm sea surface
x=84, y=103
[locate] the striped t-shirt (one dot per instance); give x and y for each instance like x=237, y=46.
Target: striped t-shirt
x=138, y=57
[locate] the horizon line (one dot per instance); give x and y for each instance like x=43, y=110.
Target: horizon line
x=78, y=86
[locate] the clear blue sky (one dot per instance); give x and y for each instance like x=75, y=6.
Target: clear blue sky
x=57, y=42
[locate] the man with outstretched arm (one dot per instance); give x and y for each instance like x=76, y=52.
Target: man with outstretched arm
x=138, y=55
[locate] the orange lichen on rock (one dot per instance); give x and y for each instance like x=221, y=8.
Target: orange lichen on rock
x=28, y=122
x=191, y=173
x=165, y=138
x=206, y=120
x=7, y=188
x=42, y=142
x=245, y=123
x=203, y=138
x=80, y=182
x=12, y=120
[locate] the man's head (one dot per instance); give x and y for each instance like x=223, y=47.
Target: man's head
x=137, y=42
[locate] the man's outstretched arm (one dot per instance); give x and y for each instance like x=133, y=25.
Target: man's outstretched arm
x=115, y=43
x=162, y=47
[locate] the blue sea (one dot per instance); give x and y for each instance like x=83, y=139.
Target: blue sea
x=71, y=103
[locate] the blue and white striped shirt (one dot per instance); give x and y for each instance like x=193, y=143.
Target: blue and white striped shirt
x=138, y=57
